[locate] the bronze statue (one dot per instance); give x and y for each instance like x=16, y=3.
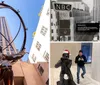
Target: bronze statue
x=6, y=61
x=6, y=72
x=65, y=64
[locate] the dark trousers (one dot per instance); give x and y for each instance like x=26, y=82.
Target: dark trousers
x=7, y=76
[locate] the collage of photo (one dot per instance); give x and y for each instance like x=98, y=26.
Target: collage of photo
x=49, y=42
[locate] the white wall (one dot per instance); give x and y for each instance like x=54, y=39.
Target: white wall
x=96, y=62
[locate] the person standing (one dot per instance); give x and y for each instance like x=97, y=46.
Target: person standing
x=80, y=60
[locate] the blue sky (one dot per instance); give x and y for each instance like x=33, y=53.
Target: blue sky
x=29, y=10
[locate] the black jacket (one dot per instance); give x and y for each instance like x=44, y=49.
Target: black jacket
x=80, y=60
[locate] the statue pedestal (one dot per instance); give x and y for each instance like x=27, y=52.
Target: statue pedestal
x=67, y=82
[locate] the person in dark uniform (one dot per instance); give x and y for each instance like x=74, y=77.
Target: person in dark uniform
x=80, y=60
x=65, y=64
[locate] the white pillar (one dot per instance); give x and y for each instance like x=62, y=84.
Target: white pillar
x=96, y=61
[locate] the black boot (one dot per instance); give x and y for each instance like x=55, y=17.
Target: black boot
x=78, y=81
x=82, y=75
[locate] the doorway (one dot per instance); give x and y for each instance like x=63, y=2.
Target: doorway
x=87, y=51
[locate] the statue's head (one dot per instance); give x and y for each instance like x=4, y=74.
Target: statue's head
x=66, y=53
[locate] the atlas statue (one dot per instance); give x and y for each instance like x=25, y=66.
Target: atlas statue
x=65, y=64
x=6, y=61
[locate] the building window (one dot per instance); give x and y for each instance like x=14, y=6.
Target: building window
x=52, y=3
x=43, y=30
x=70, y=14
x=46, y=56
x=33, y=57
x=51, y=23
x=51, y=16
x=52, y=38
x=41, y=70
x=11, y=49
x=8, y=53
x=52, y=31
x=38, y=46
x=7, y=49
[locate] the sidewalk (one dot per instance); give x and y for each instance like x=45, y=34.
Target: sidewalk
x=86, y=81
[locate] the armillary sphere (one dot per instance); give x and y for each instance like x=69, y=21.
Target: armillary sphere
x=3, y=5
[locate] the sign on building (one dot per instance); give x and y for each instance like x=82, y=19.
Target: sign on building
x=62, y=7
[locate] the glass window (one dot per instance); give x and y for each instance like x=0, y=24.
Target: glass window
x=51, y=16
x=43, y=30
x=41, y=70
x=46, y=56
x=52, y=38
x=33, y=57
x=52, y=31
x=38, y=46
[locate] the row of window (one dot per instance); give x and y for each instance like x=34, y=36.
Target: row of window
x=45, y=55
x=38, y=45
x=52, y=24
x=41, y=71
x=61, y=38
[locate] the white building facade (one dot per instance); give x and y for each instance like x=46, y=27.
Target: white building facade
x=41, y=43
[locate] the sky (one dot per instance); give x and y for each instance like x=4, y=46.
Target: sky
x=29, y=10
x=89, y=3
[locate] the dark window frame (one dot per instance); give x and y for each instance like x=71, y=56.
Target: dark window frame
x=41, y=70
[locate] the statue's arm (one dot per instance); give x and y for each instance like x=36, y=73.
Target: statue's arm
x=58, y=64
x=70, y=63
x=15, y=56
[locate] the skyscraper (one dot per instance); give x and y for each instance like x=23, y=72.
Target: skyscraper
x=6, y=38
x=96, y=10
